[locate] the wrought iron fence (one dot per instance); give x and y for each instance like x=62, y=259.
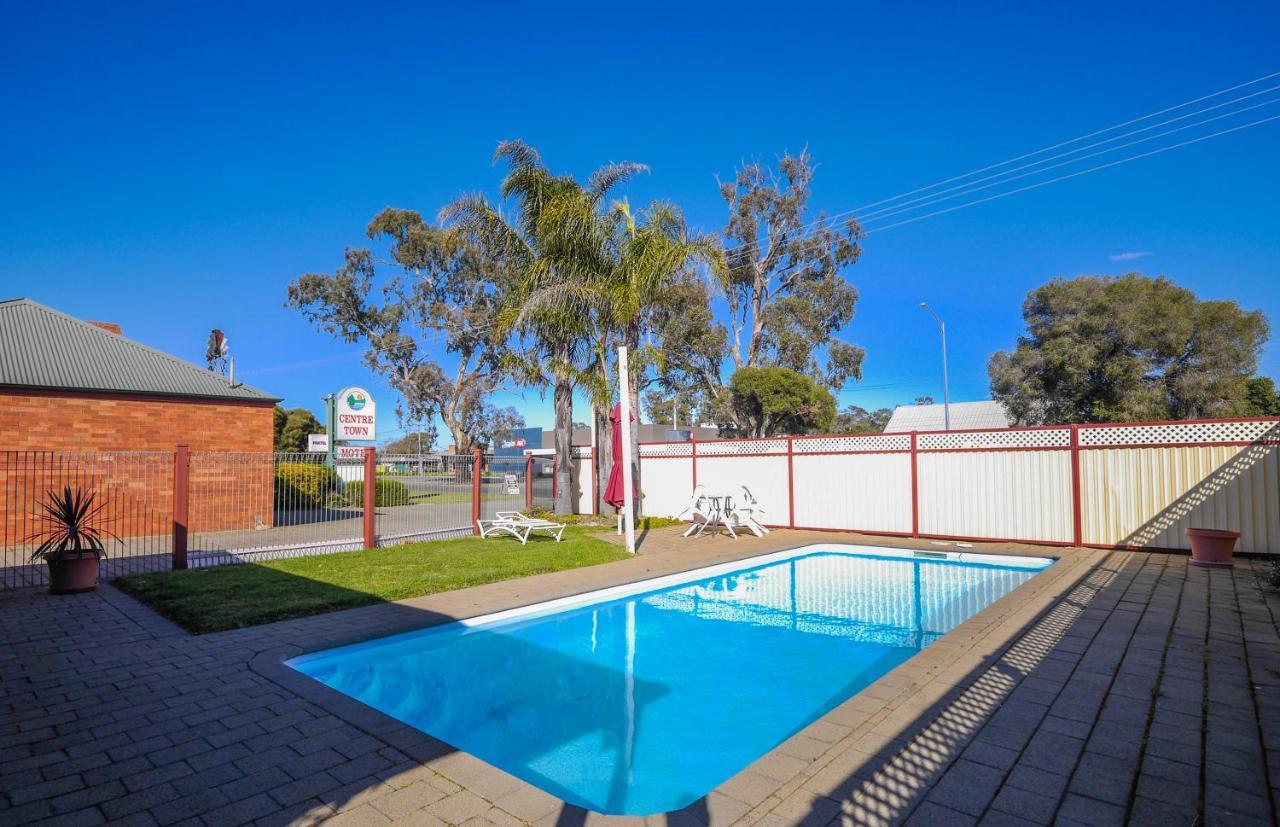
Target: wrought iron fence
x=422, y=497
x=134, y=488
x=194, y=509
x=255, y=506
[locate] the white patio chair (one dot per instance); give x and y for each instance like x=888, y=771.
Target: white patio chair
x=705, y=513
x=747, y=513
x=518, y=525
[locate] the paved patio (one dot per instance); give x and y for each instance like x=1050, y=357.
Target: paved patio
x=1114, y=687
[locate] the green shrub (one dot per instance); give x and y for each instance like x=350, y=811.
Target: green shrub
x=300, y=484
x=385, y=493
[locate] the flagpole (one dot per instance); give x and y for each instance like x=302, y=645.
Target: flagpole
x=625, y=424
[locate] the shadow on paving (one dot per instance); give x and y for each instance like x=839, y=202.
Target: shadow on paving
x=1093, y=715
x=218, y=727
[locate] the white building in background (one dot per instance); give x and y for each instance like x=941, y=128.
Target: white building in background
x=964, y=416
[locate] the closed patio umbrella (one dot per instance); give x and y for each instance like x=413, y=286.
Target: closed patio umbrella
x=613, y=491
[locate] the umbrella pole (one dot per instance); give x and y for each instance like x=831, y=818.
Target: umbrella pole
x=627, y=492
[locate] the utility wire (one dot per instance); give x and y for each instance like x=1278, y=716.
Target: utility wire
x=900, y=207
x=966, y=190
x=1076, y=174
x=831, y=220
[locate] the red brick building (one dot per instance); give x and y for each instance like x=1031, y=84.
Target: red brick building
x=77, y=394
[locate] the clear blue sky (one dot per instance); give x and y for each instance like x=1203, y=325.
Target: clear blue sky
x=171, y=168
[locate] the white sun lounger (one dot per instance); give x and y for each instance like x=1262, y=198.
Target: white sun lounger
x=518, y=525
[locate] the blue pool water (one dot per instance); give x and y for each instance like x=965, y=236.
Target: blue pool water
x=643, y=703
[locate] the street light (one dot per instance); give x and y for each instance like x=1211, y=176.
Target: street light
x=946, y=396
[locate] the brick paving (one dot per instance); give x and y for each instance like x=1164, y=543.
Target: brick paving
x=1113, y=688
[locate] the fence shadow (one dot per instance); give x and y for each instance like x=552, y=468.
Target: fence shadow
x=888, y=786
x=1200, y=496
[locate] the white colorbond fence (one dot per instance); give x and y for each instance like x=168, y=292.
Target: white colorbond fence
x=1114, y=486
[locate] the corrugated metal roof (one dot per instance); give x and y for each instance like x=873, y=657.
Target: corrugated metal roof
x=964, y=416
x=43, y=348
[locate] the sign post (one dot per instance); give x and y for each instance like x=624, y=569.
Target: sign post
x=330, y=442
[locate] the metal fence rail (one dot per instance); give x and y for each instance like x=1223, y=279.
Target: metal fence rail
x=422, y=497
x=134, y=488
x=255, y=506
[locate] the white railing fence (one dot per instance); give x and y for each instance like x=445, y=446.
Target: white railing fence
x=1137, y=485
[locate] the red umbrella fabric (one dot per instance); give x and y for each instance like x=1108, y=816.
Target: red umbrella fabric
x=614, y=490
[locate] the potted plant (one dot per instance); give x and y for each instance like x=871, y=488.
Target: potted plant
x=71, y=541
x=1212, y=547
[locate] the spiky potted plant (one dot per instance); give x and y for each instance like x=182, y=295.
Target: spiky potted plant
x=71, y=540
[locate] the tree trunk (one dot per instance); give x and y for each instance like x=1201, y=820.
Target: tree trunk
x=604, y=455
x=563, y=401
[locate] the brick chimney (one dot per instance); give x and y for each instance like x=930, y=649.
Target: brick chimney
x=110, y=327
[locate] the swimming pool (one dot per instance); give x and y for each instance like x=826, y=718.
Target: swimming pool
x=640, y=699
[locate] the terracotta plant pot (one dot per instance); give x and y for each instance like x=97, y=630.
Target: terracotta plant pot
x=71, y=575
x=1212, y=546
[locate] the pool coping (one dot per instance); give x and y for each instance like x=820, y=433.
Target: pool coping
x=880, y=716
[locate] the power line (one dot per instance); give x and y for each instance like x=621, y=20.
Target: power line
x=1073, y=140
x=900, y=207
x=829, y=221
x=1076, y=174
x=967, y=190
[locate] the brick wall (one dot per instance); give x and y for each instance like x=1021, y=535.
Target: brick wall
x=122, y=448
x=32, y=420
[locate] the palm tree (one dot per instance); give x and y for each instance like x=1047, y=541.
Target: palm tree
x=650, y=250
x=557, y=242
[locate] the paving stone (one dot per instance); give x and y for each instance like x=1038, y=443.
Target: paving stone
x=362, y=816
x=400, y=803
x=457, y=808
x=1103, y=777
x=967, y=787
x=930, y=814
x=1025, y=804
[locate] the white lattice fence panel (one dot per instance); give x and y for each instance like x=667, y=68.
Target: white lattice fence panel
x=852, y=444
x=742, y=447
x=1001, y=495
x=969, y=440
x=1151, y=496
x=765, y=476
x=666, y=449
x=1180, y=433
x=861, y=492
x=667, y=485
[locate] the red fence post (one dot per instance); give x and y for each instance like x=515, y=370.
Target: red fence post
x=528, y=482
x=915, y=490
x=477, y=461
x=1077, y=519
x=791, y=486
x=370, y=498
x=181, y=503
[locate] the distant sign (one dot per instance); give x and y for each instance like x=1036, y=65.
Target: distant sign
x=512, y=483
x=513, y=443
x=356, y=416
x=318, y=443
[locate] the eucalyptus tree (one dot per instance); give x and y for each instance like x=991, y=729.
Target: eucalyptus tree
x=444, y=293
x=783, y=290
x=1126, y=348
x=557, y=243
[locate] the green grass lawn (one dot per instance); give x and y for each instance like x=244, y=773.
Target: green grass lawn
x=229, y=597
